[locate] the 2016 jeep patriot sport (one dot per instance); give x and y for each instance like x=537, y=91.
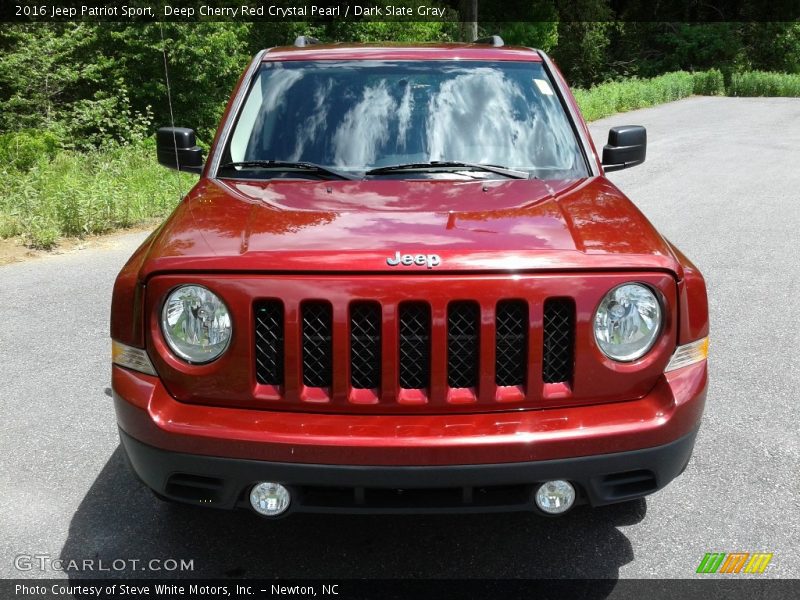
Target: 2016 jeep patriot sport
x=403, y=283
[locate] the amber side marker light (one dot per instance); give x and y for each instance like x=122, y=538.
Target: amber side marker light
x=688, y=354
x=131, y=358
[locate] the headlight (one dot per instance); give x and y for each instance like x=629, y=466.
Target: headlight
x=196, y=324
x=627, y=322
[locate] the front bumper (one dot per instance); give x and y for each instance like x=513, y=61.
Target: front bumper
x=614, y=451
x=225, y=482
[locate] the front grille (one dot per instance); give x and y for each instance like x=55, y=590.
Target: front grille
x=317, y=344
x=296, y=346
x=511, y=343
x=269, y=342
x=559, y=327
x=365, y=345
x=463, y=323
x=415, y=345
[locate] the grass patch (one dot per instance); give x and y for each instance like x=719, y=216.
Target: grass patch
x=614, y=97
x=80, y=193
x=620, y=96
x=761, y=83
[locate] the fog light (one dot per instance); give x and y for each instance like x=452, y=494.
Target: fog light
x=555, y=497
x=270, y=499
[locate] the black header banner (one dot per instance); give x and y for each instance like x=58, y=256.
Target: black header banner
x=320, y=11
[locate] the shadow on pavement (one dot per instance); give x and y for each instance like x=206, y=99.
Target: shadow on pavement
x=120, y=519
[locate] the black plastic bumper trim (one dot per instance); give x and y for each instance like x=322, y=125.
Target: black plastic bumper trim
x=602, y=479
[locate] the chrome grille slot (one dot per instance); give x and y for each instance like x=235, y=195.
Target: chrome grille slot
x=317, y=344
x=269, y=342
x=511, y=343
x=559, y=332
x=463, y=324
x=365, y=345
x=415, y=345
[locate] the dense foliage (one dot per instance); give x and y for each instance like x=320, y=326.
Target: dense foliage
x=89, y=84
x=79, y=101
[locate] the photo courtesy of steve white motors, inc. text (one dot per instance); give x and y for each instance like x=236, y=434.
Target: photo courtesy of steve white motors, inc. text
x=192, y=590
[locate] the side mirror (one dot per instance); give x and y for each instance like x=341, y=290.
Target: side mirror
x=627, y=147
x=177, y=149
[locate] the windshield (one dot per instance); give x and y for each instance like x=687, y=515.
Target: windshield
x=356, y=116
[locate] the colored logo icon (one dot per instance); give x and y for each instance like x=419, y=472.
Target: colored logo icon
x=734, y=562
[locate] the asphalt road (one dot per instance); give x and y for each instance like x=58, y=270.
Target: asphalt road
x=721, y=181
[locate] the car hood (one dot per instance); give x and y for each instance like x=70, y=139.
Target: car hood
x=354, y=226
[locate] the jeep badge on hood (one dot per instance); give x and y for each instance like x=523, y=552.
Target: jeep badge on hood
x=431, y=260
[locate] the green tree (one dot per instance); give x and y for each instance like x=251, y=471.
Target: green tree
x=204, y=61
x=105, y=82
x=584, y=36
x=770, y=46
x=43, y=70
x=536, y=23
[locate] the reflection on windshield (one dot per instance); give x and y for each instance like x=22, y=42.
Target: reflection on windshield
x=308, y=131
x=359, y=115
x=365, y=128
x=477, y=117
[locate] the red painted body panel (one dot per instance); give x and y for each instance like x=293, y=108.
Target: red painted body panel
x=297, y=239
x=693, y=302
x=384, y=51
x=513, y=226
x=147, y=412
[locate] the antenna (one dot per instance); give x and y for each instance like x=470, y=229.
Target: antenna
x=171, y=115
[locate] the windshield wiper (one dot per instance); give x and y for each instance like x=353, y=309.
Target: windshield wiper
x=450, y=165
x=289, y=165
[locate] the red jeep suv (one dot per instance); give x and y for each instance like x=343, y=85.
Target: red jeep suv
x=403, y=283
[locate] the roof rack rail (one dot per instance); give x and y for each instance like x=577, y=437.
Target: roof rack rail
x=492, y=40
x=301, y=41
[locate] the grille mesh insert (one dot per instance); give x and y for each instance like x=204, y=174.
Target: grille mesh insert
x=414, y=323
x=415, y=345
x=317, y=347
x=463, y=324
x=365, y=345
x=269, y=342
x=559, y=325
x=511, y=343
